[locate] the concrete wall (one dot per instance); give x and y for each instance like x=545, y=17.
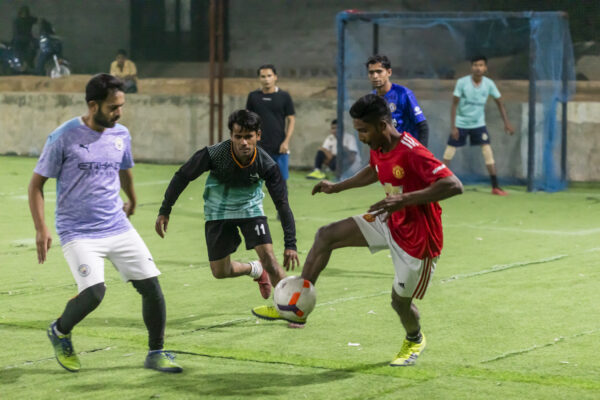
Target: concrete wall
x=92, y=30
x=169, y=128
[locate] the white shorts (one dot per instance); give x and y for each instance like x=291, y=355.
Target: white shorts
x=127, y=251
x=412, y=274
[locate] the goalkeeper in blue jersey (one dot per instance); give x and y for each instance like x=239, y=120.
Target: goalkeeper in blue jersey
x=233, y=199
x=407, y=115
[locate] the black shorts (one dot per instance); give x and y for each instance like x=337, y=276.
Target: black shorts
x=223, y=238
x=477, y=137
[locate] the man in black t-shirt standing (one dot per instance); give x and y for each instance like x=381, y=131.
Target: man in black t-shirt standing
x=276, y=111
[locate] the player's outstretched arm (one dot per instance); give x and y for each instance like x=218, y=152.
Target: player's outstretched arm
x=441, y=189
x=364, y=177
x=43, y=239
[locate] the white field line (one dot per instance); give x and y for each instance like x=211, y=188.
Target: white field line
x=53, y=194
x=327, y=303
x=503, y=267
x=538, y=346
x=26, y=363
x=582, y=232
x=151, y=183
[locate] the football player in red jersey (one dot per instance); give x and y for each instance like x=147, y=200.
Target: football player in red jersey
x=407, y=221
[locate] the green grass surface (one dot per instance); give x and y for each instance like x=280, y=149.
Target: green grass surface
x=512, y=310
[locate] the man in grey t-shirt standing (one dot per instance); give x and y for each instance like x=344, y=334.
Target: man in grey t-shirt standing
x=91, y=159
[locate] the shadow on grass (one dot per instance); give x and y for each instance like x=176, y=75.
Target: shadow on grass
x=198, y=383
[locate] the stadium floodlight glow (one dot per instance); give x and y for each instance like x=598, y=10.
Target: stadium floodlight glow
x=428, y=50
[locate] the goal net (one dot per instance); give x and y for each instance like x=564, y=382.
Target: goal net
x=530, y=58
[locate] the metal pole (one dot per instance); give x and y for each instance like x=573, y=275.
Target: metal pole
x=211, y=71
x=341, y=95
x=531, y=129
x=375, y=38
x=565, y=94
x=220, y=56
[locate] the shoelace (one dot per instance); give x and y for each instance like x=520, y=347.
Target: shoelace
x=66, y=345
x=168, y=354
x=404, y=350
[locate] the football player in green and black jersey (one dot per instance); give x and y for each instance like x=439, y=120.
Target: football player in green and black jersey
x=233, y=199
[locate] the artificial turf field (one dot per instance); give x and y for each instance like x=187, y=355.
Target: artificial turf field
x=512, y=311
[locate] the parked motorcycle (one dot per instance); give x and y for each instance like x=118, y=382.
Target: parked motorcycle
x=10, y=61
x=49, y=60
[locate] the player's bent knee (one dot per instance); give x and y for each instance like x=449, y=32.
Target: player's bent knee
x=488, y=155
x=326, y=235
x=148, y=287
x=219, y=273
x=449, y=152
x=94, y=294
x=400, y=304
x=268, y=260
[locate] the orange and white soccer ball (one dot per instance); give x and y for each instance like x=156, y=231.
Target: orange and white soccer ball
x=295, y=298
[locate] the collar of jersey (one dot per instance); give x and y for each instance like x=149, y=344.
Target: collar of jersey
x=239, y=164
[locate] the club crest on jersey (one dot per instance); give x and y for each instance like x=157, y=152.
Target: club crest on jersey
x=84, y=270
x=119, y=144
x=398, y=172
x=392, y=106
x=369, y=217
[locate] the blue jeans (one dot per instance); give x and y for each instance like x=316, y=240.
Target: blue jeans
x=282, y=161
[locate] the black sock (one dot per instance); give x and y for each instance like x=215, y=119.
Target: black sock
x=415, y=338
x=153, y=310
x=79, y=306
x=494, y=181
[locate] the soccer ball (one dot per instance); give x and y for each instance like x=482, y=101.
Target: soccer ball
x=295, y=298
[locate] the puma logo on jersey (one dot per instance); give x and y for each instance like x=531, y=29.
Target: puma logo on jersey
x=84, y=146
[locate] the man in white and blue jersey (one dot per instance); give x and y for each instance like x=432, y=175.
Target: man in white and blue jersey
x=467, y=117
x=407, y=115
x=233, y=199
x=91, y=159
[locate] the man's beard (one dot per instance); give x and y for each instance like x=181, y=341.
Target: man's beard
x=101, y=120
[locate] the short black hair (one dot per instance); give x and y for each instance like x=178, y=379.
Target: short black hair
x=99, y=87
x=479, y=57
x=266, y=66
x=122, y=52
x=371, y=109
x=249, y=121
x=379, y=58
x=334, y=122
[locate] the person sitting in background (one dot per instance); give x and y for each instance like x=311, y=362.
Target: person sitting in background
x=22, y=37
x=125, y=69
x=326, y=155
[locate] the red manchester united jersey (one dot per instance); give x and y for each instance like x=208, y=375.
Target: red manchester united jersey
x=406, y=168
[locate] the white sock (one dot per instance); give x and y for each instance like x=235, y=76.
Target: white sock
x=256, y=270
x=57, y=332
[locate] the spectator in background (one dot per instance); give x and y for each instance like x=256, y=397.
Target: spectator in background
x=22, y=37
x=124, y=69
x=326, y=155
x=276, y=110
